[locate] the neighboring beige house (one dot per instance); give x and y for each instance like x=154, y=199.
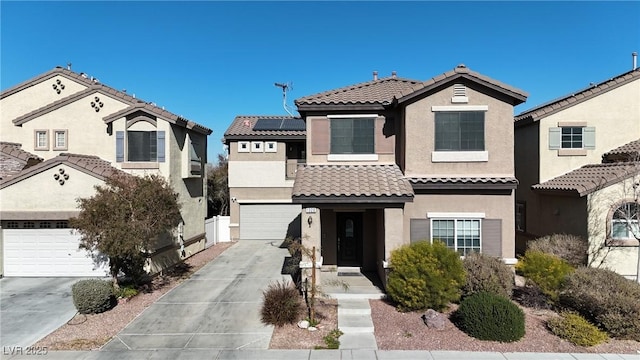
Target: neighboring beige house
x=69, y=119
x=564, y=135
x=264, y=152
x=392, y=161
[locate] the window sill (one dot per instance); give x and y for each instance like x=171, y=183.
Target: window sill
x=572, y=152
x=622, y=242
x=60, y=149
x=352, y=157
x=140, y=165
x=460, y=156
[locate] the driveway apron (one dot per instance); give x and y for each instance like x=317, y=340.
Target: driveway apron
x=217, y=308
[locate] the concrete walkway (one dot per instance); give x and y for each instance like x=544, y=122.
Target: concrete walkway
x=217, y=308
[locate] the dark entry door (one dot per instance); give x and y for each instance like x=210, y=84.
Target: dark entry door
x=349, y=239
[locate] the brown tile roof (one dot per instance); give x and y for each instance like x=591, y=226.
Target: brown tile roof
x=385, y=91
x=381, y=91
x=13, y=159
x=577, y=97
x=242, y=128
x=589, y=178
x=461, y=182
x=626, y=152
x=351, y=183
x=93, y=86
x=15, y=150
x=89, y=164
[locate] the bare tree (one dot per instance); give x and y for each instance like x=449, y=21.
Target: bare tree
x=218, y=187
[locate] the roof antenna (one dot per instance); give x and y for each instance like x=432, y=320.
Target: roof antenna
x=285, y=87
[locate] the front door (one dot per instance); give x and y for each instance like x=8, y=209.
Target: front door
x=349, y=239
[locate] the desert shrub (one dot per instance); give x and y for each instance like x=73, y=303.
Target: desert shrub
x=331, y=339
x=488, y=316
x=425, y=276
x=605, y=298
x=546, y=270
x=127, y=291
x=576, y=329
x=93, y=296
x=531, y=296
x=281, y=304
x=486, y=273
x=571, y=248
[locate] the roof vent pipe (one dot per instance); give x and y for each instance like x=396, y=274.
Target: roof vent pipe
x=393, y=74
x=375, y=75
x=634, y=55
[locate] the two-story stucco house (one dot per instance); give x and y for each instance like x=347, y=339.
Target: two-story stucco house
x=82, y=131
x=571, y=172
x=393, y=160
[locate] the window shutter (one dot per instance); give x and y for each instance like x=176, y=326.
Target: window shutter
x=160, y=146
x=119, y=146
x=320, y=136
x=492, y=237
x=383, y=144
x=589, y=138
x=555, y=138
x=419, y=230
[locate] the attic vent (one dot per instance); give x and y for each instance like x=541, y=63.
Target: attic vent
x=459, y=94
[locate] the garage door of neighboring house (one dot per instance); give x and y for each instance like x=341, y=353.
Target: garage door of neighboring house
x=46, y=253
x=269, y=221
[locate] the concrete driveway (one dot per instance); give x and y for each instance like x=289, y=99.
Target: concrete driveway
x=217, y=308
x=31, y=308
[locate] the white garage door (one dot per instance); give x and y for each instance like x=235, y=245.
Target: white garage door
x=269, y=222
x=46, y=253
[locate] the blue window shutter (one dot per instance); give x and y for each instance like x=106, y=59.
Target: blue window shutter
x=589, y=138
x=161, y=156
x=555, y=137
x=119, y=146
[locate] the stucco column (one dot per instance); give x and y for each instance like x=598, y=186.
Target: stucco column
x=311, y=237
x=393, y=230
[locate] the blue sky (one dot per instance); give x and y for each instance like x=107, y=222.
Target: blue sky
x=210, y=61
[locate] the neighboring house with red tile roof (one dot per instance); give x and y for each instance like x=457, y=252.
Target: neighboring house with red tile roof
x=69, y=132
x=392, y=161
x=569, y=152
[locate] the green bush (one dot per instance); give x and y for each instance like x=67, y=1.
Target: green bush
x=425, y=276
x=605, y=298
x=128, y=291
x=93, y=296
x=486, y=273
x=576, y=329
x=547, y=271
x=487, y=316
x=571, y=248
x=281, y=304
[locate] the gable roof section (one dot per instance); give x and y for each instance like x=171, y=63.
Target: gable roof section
x=351, y=184
x=462, y=72
x=242, y=129
x=88, y=164
x=627, y=152
x=378, y=93
x=94, y=86
x=13, y=159
x=559, y=104
x=589, y=178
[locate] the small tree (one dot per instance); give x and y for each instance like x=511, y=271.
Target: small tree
x=124, y=219
x=218, y=187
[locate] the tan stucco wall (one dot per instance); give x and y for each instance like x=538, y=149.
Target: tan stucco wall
x=493, y=206
x=34, y=97
x=616, y=117
x=623, y=260
x=420, y=137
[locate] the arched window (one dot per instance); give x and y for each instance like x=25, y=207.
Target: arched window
x=624, y=223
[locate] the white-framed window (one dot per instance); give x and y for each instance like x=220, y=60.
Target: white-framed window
x=271, y=146
x=625, y=222
x=244, y=146
x=571, y=136
x=41, y=139
x=461, y=235
x=29, y=225
x=60, y=140
x=44, y=225
x=257, y=146
x=352, y=135
x=12, y=225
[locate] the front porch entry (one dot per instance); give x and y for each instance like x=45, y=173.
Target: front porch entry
x=349, y=238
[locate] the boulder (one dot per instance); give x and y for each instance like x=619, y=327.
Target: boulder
x=519, y=281
x=434, y=320
x=304, y=324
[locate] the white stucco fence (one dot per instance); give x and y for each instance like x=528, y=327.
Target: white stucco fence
x=217, y=230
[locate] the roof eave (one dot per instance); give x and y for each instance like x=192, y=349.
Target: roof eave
x=264, y=136
x=341, y=107
x=350, y=199
x=468, y=186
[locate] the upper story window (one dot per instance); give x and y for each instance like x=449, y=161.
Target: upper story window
x=352, y=136
x=60, y=140
x=141, y=146
x=41, y=140
x=625, y=222
x=572, y=138
x=459, y=131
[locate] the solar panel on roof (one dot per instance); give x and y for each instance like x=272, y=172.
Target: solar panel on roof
x=279, y=124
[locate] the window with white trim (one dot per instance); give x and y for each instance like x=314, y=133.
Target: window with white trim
x=257, y=146
x=60, y=140
x=625, y=222
x=244, y=146
x=572, y=136
x=270, y=146
x=41, y=140
x=461, y=235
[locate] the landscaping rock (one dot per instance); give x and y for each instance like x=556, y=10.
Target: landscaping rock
x=304, y=324
x=520, y=281
x=312, y=328
x=434, y=320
